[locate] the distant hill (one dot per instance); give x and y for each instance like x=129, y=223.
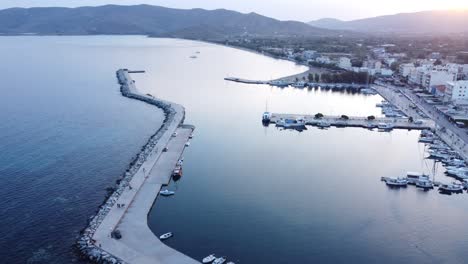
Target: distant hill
x=148, y=20
x=421, y=22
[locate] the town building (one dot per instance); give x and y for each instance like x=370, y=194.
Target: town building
x=323, y=59
x=433, y=78
x=405, y=69
x=456, y=91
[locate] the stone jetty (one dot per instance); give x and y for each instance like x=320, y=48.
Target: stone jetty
x=119, y=232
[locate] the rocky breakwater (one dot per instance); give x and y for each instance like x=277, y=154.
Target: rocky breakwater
x=85, y=243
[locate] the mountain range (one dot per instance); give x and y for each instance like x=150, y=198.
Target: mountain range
x=149, y=20
x=434, y=22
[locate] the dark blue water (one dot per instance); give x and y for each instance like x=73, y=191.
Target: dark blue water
x=254, y=194
x=66, y=135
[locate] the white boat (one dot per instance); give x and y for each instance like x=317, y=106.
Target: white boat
x=166, y=193
x=220, y=260
x=266, y=117
x=323, y=124
x=398, y=182
x=291, y=123
x=451, y=188
x=426, y=139
x=385, y=126
x=230, y=262
x=414, y=177
x=187, y=144
x=299, y=84
x=368, y=91
x=279, y=83
x=191, y=136
x=424, y=183
x=165, y=236
x=209, y=259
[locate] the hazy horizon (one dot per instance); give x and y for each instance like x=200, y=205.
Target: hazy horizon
x=301, y=10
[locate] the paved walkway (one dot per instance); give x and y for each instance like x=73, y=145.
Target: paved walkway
x=138, y=244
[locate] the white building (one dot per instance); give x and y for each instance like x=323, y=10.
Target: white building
x=345, y=63
x=372, y=64
x=390, y=61
x=457, y=91
x=433, y=78
x=405, y=69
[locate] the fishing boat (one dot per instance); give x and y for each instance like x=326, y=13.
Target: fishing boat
x=398, y=182
x=451, y=188
x=414, y=177
x=424, y=183
x=220, y=260
x=166, y=193
x=291, y=123
x=323, y=124
x=165, y=236
x=209, y=258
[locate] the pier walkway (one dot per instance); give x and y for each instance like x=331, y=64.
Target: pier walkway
x=138, y=244
x=396, y=123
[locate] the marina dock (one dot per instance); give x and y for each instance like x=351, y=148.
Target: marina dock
x=126, y=211
x=364, y=122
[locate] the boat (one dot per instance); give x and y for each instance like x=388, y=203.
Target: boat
x=424, y=183
x=451, y=188
x=398, y=182
x=193, y=57
x=165, y=236
x=220, y=260
x=177, y=171
x=191, y=136
x=166, y=193
x=323, y=124
x=370, y=125
x=385, y=126
x=291, y=123
x=174, y=134
x=209, y=258
x=429, y=139
x=266, y=117
x=299, y=84
x=414, y=177
x=230, y=262
x=368, y=91
x=187, y=144
x=279, y=83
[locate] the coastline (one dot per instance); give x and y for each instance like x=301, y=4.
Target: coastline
x=138, y=190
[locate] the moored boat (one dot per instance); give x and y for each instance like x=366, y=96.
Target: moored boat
x=209, y=258
x=166, y=192
x=398, y=182
x=451, y=188
x=220, y=260
x=165, y=236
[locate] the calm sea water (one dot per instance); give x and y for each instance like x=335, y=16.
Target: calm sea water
x=252, y=193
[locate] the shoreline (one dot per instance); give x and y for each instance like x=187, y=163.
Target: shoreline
x=137, y=190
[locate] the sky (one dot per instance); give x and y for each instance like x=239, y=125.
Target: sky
x=301, y=10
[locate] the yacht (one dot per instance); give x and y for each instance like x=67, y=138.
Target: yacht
x=398, y=182
x=451, y=188
x=220, y=260
x=187, y=144
x=166, y=193
x=209, y=259
x=165, y=236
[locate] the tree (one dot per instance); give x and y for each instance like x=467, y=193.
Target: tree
x=410, y=119
x=317, y=77
x=345, y=117
x=310, y=77
x=318, y=115
x=371, y=117
x=437, y=62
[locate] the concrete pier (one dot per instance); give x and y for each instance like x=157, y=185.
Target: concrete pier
x=126, y=210
x=397, y=123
